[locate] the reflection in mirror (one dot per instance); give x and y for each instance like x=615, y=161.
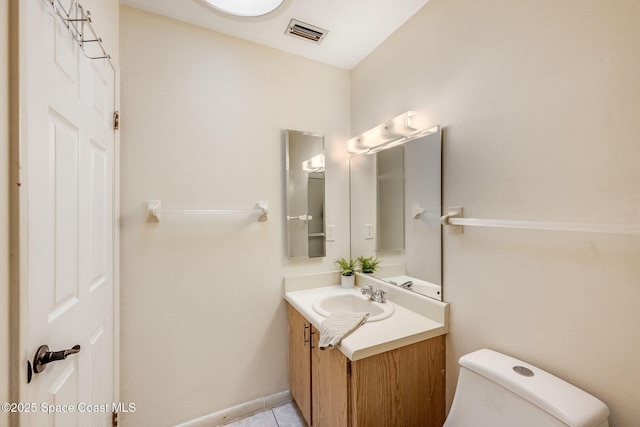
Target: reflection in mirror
x=305, y=194
x=395, y=213
x=390, y=199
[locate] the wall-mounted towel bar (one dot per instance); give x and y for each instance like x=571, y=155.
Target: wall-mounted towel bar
x=303, y=217
x=455, y=221
x=417, y=211
x=261, y=209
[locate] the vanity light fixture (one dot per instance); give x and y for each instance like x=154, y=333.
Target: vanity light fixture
x=314, y=164
x=244, y=8
x=397, y=131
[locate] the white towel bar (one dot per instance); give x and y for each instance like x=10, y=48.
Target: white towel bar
x=155, y=210
x=455, y=221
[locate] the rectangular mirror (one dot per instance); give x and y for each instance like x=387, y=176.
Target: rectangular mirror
x=305, y=182
x=396, y=205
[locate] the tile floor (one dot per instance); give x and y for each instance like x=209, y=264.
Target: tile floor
x=286, y=415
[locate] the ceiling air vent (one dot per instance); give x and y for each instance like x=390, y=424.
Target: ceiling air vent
x=305, y=31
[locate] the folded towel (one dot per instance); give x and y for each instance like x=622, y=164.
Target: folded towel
x=339, y=325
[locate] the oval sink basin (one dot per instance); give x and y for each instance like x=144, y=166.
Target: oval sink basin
x=353, y=303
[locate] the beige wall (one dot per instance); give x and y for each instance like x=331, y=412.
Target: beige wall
x=202, y=127
x=540, y=105
x=4, y=205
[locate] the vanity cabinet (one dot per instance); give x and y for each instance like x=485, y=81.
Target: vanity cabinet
x=401, y=387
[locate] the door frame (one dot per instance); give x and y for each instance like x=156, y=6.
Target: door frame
x=19, y=354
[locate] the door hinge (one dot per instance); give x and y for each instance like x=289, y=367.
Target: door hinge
x=114, y=419
x=116, y=120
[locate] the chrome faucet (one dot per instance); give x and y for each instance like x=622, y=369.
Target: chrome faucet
x=377, y=295
x=407, y=285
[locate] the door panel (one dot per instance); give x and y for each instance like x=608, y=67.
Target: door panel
x=99, y=245
x=65, y=56
x=64, y=140
x=100, y=93
x=64, y=391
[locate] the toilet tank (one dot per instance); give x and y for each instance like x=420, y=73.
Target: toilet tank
x=496, y=390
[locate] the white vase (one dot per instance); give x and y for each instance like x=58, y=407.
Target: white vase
x=348, y=281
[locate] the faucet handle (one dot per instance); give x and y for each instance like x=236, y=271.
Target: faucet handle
x=368, y=290
x=381, y=295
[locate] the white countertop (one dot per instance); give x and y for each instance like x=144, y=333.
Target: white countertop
x=416, y=317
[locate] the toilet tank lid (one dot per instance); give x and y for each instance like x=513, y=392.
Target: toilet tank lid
x=569, y=404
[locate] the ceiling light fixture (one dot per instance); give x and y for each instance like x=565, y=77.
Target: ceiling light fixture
x=245, y=8
x=399, y=130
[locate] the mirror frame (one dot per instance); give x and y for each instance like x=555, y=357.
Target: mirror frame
x=316, y=219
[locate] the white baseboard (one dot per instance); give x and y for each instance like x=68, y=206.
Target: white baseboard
x=240, y=411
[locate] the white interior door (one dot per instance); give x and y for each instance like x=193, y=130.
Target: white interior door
x=67, y=139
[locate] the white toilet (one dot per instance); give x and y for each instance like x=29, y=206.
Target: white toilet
x=495, y=390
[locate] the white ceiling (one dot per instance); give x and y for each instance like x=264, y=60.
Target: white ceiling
x=356, y=27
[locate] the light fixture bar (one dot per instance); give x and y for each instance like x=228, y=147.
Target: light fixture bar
x=396, y=131
x=314, y=164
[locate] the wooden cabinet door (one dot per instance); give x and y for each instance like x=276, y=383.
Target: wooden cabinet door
x=300, y=361
x=330, y=390
x=402, y=387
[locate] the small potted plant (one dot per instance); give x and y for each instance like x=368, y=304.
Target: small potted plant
x=347, y=269
x=369, y=265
